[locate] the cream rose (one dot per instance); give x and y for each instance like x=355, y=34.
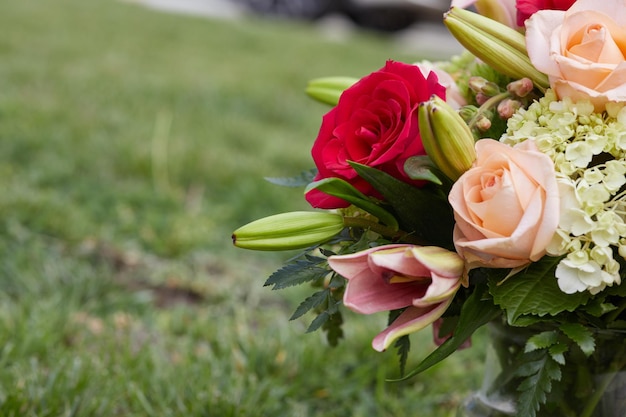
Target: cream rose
x=582, y=50
x=506, y=206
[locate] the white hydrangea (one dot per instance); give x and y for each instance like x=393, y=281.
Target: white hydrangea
x=589, y=154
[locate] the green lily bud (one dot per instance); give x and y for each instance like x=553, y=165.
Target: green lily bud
x=447, y=139
x=286, y=231
x=329, y=89
x=499, y=46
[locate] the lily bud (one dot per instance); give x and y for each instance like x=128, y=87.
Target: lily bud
x=447, y=139
x=328, y=89
x=483, y=86
x=499, y=46
x=286, y=231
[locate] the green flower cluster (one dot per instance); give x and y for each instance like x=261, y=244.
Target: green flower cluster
x=589, y=154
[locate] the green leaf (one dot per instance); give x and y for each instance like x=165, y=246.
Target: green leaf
x=318, y=321
x=310, y=303
x=403, y=346
x=422, y=168
x=344, y=190
x=332, y=327
x=581, y=336
x=558, y=352
x=301, y=180
x=540, y=370
x=534, y=291
x=296, y=273
x=424, y=212
x=541, y=340
x=475, y=313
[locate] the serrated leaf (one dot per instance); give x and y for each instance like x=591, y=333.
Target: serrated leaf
x=423, y=212
x=534, y=291
x=581, y=336
x=540, y=370
x=403, y=347
x=475, y=313
x=541, y=340
x=557, y=352
x=332, y=327
x=301, y=180
x=318, y=321
x=598, y=308
x=344, y=190
x=310, y=303
x=296, y=273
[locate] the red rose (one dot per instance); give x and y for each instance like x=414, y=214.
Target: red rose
x=374, y=124
x=526, y=8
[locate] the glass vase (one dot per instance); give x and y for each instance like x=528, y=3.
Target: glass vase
x=589, y=386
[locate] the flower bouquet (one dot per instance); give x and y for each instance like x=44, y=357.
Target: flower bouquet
x=487, y=189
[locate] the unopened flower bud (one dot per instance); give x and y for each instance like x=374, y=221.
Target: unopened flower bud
x=328, y=89
x=481, y=98
x=447, y=139
x=483, y=124
x=481, y=85
x=468, y=112
x=499, y=46
x=520, y=88
x=507, y=107
x=286, y=231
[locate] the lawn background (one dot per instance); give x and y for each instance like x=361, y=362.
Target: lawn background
x=132, y=143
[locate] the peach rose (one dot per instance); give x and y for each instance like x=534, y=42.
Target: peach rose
x=582, y=50
x=506, y=206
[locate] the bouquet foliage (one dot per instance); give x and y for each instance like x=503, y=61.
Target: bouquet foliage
x=490, y=187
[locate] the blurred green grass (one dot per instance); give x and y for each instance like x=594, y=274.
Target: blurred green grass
x=131, y=144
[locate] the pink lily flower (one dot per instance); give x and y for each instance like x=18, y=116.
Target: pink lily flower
x=422, y=279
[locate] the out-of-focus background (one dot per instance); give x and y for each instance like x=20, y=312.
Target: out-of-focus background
x=134, y=137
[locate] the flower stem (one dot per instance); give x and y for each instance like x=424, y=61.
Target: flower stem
x=615, y=368
x=381, y=229
x=486, y=106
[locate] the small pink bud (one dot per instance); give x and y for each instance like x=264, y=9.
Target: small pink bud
x=483, y=124
x=520, y=88
x=507, y=107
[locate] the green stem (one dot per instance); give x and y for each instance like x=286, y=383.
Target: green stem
x=381, y=229
x=487, y=105
x=615, y=367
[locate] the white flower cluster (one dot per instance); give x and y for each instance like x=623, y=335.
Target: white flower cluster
x=589, y=154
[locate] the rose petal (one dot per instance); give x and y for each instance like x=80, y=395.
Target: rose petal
x=539, y=29
x=613, y=8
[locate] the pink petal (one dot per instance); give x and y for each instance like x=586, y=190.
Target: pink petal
x=398, y=260
x=439, y=261
x=351, y=265
x=369, y=293
x=439, y=290
x=410, y=321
